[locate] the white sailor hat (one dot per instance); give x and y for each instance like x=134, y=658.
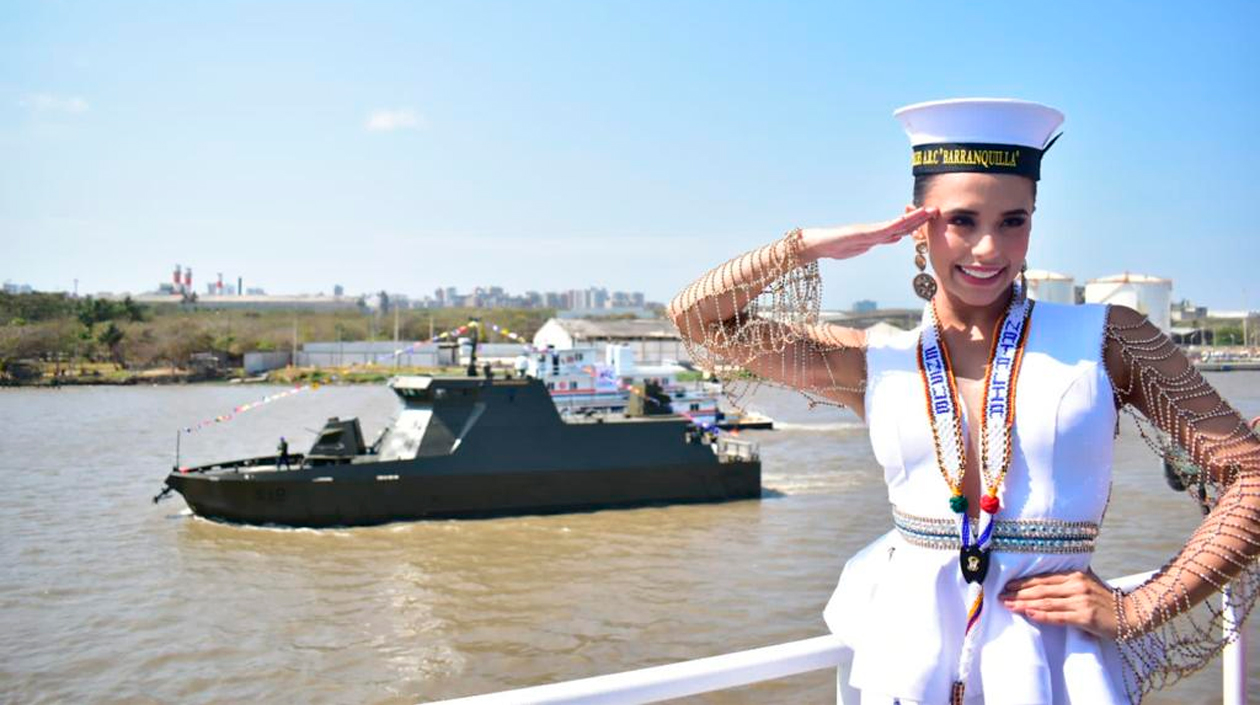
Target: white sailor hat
x=990, y=135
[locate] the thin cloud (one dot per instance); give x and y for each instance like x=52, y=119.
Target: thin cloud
x=390, y=120
x=50, y=103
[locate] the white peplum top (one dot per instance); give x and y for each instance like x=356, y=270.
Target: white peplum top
x=900, y=605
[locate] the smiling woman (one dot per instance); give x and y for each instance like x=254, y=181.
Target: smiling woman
x=983, y=589
x=979, y=244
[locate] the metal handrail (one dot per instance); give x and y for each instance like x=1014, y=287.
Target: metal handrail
x=704, y=675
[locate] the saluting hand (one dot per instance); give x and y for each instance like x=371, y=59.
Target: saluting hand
x=1076, y=598
x=852, y=240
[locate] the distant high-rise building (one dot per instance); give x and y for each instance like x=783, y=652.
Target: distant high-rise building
x=864, y=306
x=579, y=298
x=339, y=290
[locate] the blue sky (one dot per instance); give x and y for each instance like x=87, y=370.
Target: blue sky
x=554, y=145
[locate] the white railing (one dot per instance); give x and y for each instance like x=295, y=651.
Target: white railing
x=729, y=449
x=704, y=675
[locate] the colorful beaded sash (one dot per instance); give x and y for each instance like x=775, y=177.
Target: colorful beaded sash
x=1009, y=535
x=997, y=420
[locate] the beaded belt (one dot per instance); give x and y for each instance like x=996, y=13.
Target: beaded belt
x=1015, y=535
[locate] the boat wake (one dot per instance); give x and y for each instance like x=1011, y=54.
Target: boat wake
x=339, y=531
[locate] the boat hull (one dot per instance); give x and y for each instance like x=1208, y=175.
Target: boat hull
x=355, y=495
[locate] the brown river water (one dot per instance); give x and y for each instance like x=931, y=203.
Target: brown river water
x=105, y=597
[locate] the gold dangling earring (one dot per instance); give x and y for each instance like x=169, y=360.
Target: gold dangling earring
x=924, y=283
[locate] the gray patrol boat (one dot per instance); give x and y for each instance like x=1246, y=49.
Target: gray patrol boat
x=476, y=447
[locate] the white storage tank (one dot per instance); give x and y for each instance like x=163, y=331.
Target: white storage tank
x=1050, y=286
x=1146, y=294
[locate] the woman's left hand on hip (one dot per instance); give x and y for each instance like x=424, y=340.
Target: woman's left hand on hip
x=1076, y=598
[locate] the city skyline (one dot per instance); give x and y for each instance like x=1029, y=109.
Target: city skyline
x=544, y=146
x=481, y=296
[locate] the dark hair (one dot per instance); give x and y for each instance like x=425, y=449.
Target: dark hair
x=924, y=182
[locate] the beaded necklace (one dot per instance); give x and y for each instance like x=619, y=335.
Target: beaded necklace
x=997, y=422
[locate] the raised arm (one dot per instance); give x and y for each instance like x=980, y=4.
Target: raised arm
x=758, y=313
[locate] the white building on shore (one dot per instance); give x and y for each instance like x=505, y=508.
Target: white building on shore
x=652, y=340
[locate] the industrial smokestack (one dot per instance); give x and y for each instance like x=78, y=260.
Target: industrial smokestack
x=188, y=279
x=219, y=286
x=240, y=286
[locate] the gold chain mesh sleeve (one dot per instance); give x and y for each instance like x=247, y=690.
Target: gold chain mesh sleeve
x=755, y=319
x=1179, y=620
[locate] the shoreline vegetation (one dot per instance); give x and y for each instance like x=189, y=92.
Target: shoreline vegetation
x=54, y=339
x=108, y=374
x=49, y=339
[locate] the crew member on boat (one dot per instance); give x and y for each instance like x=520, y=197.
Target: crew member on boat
x=994, y=423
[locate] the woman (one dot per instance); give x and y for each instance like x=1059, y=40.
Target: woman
x=982, y=592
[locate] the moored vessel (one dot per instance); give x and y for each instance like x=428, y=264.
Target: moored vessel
x=475, y=447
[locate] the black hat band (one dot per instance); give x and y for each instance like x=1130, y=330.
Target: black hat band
x=945, y=157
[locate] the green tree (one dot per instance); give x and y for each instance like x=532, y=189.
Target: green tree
x=87, y=314
x=132, y=310
x=112, y=338
x=36, y=306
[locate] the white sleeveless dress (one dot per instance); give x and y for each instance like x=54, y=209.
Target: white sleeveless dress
x=900, y=604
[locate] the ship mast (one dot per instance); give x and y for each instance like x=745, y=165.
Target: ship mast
x=475, y=324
